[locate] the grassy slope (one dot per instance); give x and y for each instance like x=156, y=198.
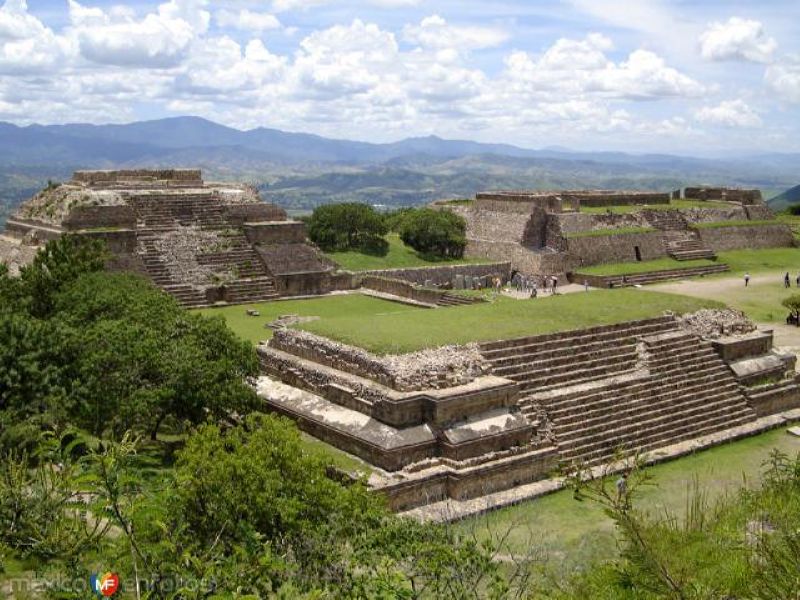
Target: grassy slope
x=660, y=264
x=625, y=209
x=398, y=256
x=575, y=533
x=327, y=307
x=616, y=231
x=755, y=261
x=504, y=318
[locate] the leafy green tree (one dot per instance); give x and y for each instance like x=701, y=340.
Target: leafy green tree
x=435, y=232
x=60, y=262
x=139, y=358
x=793, y=304
x=348, y=226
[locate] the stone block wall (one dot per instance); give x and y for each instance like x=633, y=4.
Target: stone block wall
x=495, y=225
x=445, y=274
x=572, y=223
x=167, y=175
x=730, y=349
x=593, y=250
x=529, y=262
x=238, y=214
x=403, y=289
x=715, y=214
x=91, y=217
x=29, y=228
x=759, y=212
x=721, y=193
x=275, y=232
x=721, y=239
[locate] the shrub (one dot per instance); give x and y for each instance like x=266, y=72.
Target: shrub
x=437, y=232
x=347, y=226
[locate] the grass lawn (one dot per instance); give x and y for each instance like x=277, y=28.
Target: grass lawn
x=399, y=256
x=574, y=533
x=740, y=223
x=659, y=264
x=325, y=307
x=617, y=231
x=628, y=208
x=755, y=261
x=395, y=332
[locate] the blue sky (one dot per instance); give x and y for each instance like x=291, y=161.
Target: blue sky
x=703, y=78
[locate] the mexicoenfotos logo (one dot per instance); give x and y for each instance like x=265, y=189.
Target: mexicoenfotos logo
x=104, y=585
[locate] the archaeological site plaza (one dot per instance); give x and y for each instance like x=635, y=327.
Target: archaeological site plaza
x=460, y=428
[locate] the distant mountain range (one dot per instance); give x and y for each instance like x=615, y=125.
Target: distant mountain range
x=300, y=170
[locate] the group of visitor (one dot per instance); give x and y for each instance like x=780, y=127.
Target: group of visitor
x=787, y=280
x=529, y=285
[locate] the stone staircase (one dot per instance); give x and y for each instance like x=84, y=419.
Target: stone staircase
x=615, y=281
x=681, y=242
x=159, y=214
x=686, y=245
x=633, y=386
x=167, y=211
x=448, y=299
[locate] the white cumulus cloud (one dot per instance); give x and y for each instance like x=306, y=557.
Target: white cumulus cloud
x=729, y=113
x=784, y=78
x=737, y=39
x=435, y=32
x=247, y=20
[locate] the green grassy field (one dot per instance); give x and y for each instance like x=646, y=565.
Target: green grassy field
x=660, y=264
x=503, y=318
x=756, y=261
x=326, y=307
x=399, y=256
x=626, y=209
x=574, y=534
x=741, y=223
x=603, y=232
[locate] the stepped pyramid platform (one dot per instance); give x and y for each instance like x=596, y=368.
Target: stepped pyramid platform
x=526, y=406
x=203, y=243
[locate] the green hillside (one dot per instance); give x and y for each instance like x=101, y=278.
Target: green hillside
x=787, y=198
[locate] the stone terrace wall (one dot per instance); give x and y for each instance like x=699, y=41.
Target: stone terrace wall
x=734, y=212
x=721, y=239
x=593, y=250
x=571, y=223
x=403, y=289
x=183, y=176
x=517, y=202
x=720, y=193
x=90, y=217
x=278, y=232
x=759, y=212
x=525, y=260
x=497, y=226
x=446, y=273
x=615, y=198
x=239, y=214
x=435, y=368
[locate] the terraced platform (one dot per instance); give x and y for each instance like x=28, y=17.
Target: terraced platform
x=631, y=387
x=615, y=281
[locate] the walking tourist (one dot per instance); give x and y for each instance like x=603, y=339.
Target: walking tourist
x=586, y=284
x=746, y=279
x=787, y=282
x=555, y=284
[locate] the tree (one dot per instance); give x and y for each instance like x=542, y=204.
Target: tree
x=793, y=304
x=348, y=226
x=138, y=358
x=60, y=262
x=437, y=232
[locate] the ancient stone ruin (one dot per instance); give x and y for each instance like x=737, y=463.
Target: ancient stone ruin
x=545, y=233
x=460, y=423
x=201, y=242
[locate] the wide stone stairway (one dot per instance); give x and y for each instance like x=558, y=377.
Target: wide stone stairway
x=629, y=387
x=161, y=218
x=681, y=241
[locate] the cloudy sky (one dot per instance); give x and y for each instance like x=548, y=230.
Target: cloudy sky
x=690, y=76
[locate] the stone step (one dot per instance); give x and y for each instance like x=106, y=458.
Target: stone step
x=535, y=345
x=527, y=372
x=564, y=409
x=628, y=411
x=681, y=430
x=523, y=363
